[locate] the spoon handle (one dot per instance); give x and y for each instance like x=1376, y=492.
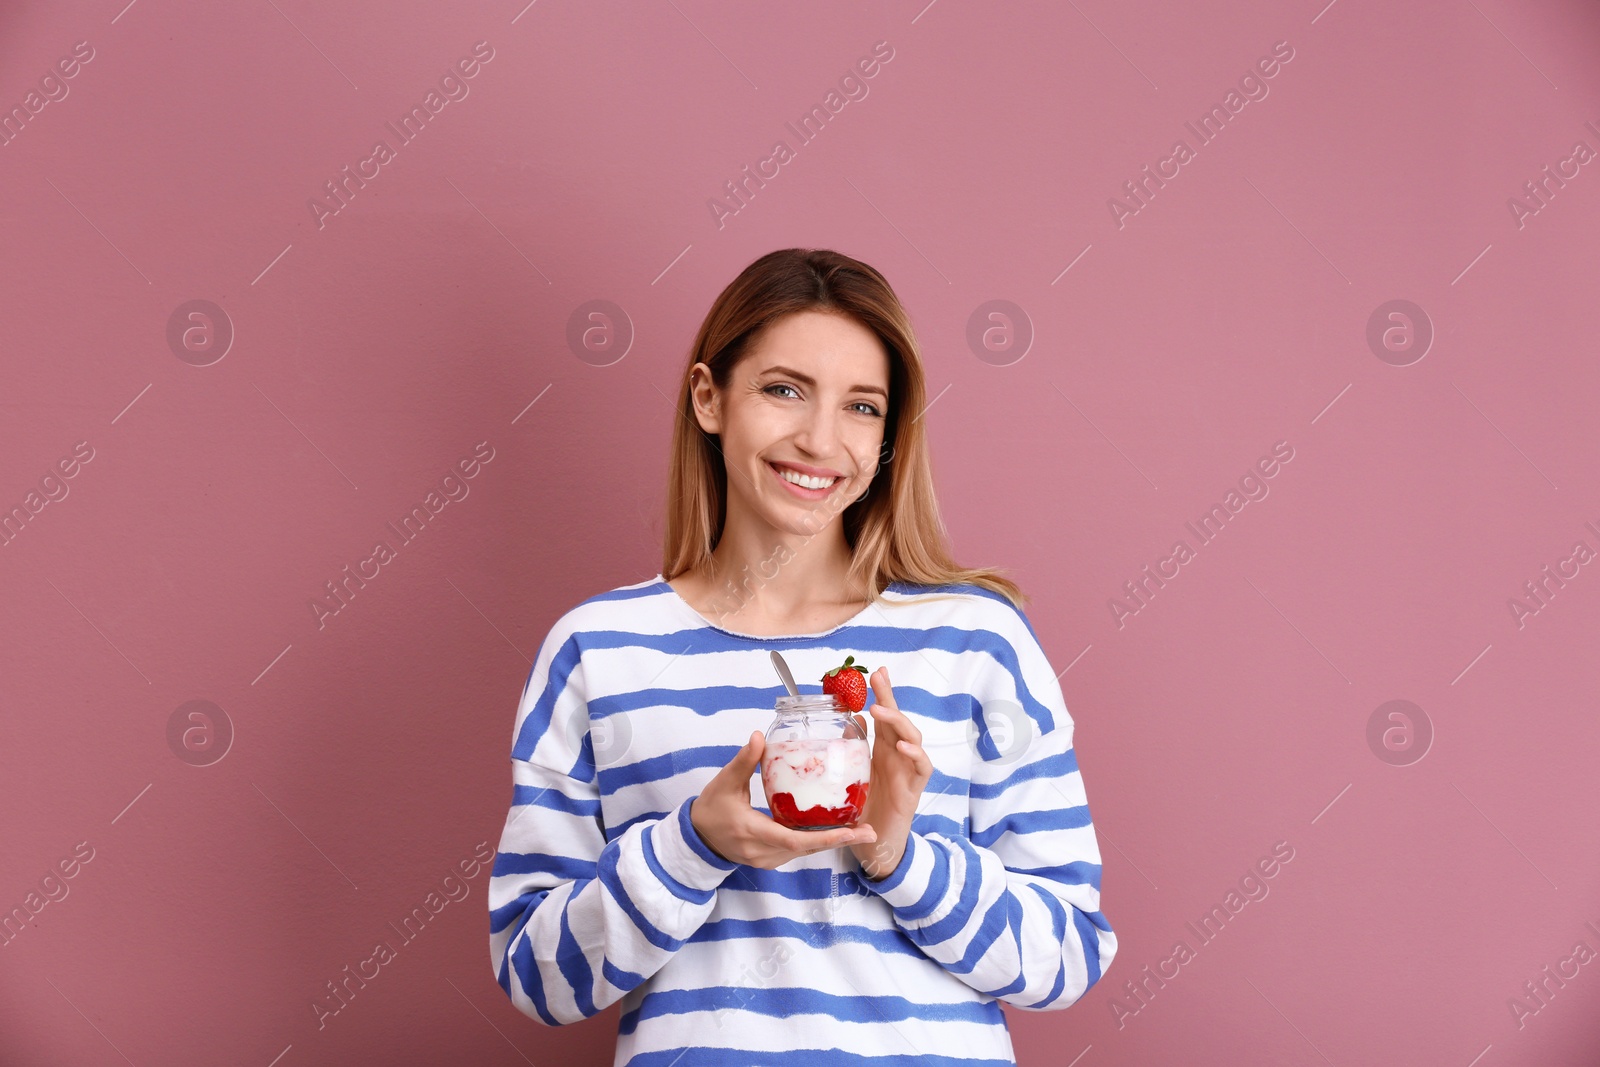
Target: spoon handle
x=783, y=673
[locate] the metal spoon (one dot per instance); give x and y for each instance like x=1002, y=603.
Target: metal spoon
x=783, y=672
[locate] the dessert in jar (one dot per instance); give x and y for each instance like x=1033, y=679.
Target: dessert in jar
x=817, y=765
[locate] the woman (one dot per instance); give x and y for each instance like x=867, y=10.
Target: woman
x=639, y=862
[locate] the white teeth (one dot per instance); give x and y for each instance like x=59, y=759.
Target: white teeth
x=805, y=481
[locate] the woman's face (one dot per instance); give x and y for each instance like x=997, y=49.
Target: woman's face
x=807, y=401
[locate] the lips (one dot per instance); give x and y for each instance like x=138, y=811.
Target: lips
x=806, y=469
x=799, y=490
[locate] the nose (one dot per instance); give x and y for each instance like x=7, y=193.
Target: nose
x=818, y=431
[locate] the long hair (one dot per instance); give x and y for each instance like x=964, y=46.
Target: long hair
x=894, y=532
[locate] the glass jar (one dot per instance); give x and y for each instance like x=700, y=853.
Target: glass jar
x=816, y=766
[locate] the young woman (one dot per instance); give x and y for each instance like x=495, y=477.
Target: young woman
x=639, y=863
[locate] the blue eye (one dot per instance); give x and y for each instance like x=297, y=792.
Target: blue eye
x=870, y=409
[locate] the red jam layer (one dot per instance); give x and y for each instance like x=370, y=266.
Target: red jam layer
x=818, y=817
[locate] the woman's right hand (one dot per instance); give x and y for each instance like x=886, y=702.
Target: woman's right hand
x=732, y=828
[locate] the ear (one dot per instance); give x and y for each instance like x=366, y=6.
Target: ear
x=706, y=399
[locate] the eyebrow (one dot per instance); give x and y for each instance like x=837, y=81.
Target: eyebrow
x=806, y=379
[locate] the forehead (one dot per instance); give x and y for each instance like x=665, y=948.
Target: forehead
x=822, y=343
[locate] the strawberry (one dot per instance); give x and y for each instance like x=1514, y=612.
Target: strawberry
x=848, y=682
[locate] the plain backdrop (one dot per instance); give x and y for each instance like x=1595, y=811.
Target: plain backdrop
x=1145, y=359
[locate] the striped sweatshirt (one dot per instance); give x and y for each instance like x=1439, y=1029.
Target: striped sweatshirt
x=602, y=892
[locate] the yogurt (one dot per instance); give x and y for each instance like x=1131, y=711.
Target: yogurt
x=817, y=784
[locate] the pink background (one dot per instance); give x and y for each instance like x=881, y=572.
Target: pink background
x=368, y=756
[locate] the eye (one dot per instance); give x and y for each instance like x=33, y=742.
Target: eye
x=862, y=406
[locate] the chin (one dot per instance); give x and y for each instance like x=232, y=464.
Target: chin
x=798, y=524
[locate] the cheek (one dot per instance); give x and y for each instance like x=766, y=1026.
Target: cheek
x=740, y=432
x=866, y=456
x=758, y=422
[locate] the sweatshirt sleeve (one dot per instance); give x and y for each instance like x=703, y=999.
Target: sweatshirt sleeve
x=1013, y=908
x=576, y=922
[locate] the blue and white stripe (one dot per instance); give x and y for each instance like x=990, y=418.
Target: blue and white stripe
x=602, y=892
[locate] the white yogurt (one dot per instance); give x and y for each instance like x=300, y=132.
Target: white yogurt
x=816, y=772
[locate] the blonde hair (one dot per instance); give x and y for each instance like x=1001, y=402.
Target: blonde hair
x=895, y=532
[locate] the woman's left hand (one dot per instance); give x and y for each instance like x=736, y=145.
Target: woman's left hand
x=900, y=770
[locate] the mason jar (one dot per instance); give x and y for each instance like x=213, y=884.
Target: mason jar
x=816, y=766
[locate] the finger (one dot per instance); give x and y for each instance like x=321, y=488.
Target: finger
x=919, y=757
x=860, y=722
x=887, y=734
x=900, y=725
x=801, y=841
x=888, y=712
x=881, y=688
x=747, y=760
x=780, y=838
x=754, y=747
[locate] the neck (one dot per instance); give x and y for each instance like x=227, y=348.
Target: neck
x=760, y=571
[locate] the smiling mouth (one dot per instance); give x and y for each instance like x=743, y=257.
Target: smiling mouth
x=804, y=485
